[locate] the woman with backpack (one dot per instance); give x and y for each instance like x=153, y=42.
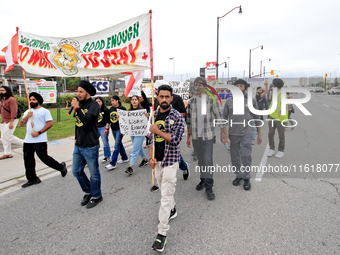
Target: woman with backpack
x=9, y=121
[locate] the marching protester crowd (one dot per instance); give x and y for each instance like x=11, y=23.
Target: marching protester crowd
x=171, y=119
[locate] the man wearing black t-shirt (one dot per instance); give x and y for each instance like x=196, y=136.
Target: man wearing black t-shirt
x=178, y=104
x=86, y=149
x=167, y=132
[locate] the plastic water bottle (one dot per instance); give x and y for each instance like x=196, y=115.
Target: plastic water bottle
x=226, y=146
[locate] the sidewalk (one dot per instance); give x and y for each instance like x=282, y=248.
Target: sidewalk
x=12, y=171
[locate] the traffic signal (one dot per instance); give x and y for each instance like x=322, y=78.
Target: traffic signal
x=272, y=72
x=325, y=75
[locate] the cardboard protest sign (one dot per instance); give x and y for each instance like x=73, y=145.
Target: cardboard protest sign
x=133, y=123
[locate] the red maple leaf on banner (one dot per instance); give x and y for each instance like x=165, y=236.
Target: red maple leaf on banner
x=145, y=56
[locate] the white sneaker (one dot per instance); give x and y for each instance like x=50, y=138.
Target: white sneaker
x=270, y=153
x=110, y=167
x=279, y=154
x=122, y=161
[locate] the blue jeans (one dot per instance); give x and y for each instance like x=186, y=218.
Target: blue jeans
x=182, y=165
x=89, y=156
x=105, y=139
x=137, y=148
x=204, y=151
x=119, y=148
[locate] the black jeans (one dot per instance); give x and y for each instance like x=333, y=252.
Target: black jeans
x=29, y=160
x=204, y=152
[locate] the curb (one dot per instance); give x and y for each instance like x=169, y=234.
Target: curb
x=10, y=185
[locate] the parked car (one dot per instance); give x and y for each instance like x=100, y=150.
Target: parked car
x=319, y=89
x=334, y=90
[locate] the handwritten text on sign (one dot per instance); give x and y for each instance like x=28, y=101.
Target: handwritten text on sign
x=133, y=123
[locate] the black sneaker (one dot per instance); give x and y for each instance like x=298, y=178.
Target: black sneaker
x=129, y=170
x=186, y=173
x=105, y=160
x=143, y=163
x=154, y=188
x=63, y=170
x=160, y=243
x=237, y=181
x=210, y=194
x=93, y=202
x=173, y=214
x=27, y=184
x=246, y=185
x=200, y=186
x=86, y=199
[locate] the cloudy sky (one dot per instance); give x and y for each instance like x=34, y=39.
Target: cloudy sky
x=301, y=37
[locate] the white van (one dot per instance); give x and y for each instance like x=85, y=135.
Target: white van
x=334, y=90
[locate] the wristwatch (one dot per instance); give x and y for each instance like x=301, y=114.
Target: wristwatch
x=39, y=132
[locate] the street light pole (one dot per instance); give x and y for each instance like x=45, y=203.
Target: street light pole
x=339, y=70
x=250, y=58
x=173, y=68
x=218, y=24
x=261, y=65
x=228, y=69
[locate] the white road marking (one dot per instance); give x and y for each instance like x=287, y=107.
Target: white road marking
x=260, y=173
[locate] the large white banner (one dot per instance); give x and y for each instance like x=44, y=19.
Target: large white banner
x=133, y=123
x=121, y=48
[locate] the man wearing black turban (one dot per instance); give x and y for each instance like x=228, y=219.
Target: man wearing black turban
x=36, y=141
x=240, y=134
x=86, y=149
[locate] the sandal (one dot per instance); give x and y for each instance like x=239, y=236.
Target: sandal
x=6, y=156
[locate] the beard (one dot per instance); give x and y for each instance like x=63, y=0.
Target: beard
x=164, y=106
x=5, y=95
x=33, y=105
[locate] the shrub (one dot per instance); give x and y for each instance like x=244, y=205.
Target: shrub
x=22, y=101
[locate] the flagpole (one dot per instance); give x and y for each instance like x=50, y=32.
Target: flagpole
x=28, y=101
x=153, y=96
x=24, y=76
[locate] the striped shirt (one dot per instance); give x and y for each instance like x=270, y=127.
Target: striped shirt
x=174, y=124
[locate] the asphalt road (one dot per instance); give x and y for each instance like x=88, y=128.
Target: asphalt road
x=283, y=213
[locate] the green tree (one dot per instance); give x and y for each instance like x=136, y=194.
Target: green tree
x=72, y=83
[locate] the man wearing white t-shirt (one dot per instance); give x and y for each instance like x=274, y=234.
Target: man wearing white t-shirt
x=36, y=141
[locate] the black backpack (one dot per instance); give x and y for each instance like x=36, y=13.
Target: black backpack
x=19, y=113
